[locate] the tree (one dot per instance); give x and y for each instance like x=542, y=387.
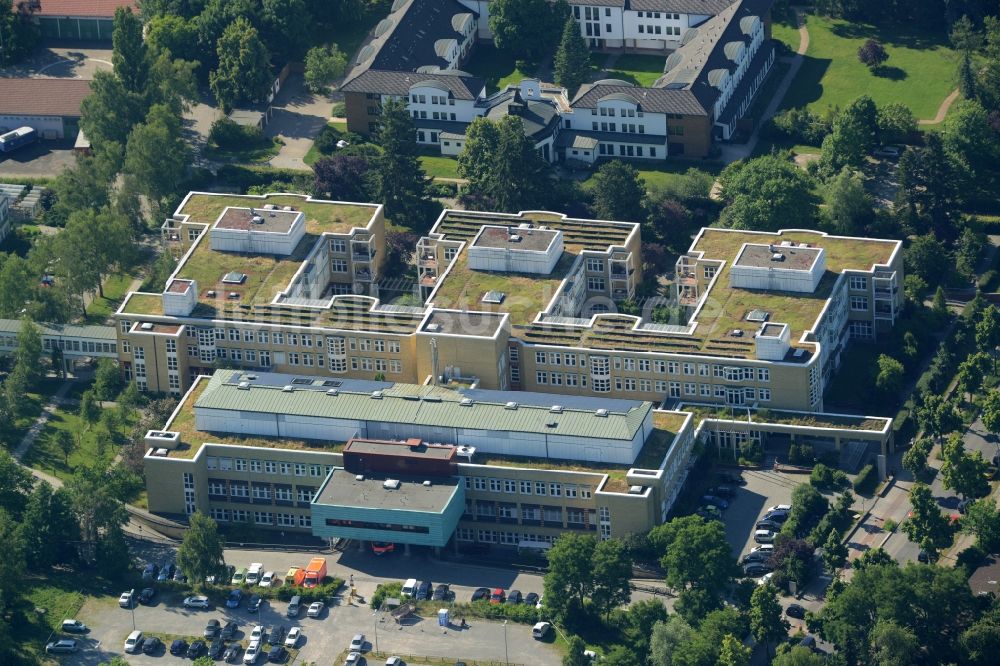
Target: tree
x=107, y=380
x=574, y=652
x=200, y=553
x=324, y=65
x=694, y=553
x=874, y=557
x=734, y=652
x=889, y=379
x=798, y=656
x=766, y=620
x=12, y=561
x=641, y=617
x=572, y=63
x=972, y=371
x=504, y=170
x=872, y=54
x=855, y=135
x=157, y=155
x=667, y=639
x=28, y=356
x=16, y=483
x=612, y=571
x=399, y=180
x=129, y=58
x=967, y=84
x=983, y=520
x=89, y=409
x=927, y=257
x=848, y=205
x=341, y=178
x=964, y=36
x=571, y=571
x=524, y=28
x=988, y=332
x=110, y=111
x=618, y=192
x=97, y=502
x=808, y=507
x=932, y=182
x=915, y=458
x=49, y=527
x=63, y=440
x=764, y=193
x=834, y=552
x=244, y=70
x=896, y=123
x=964, y=472
x=967, y=133
x=938, y=416
x=926, y=525
x=18, y=32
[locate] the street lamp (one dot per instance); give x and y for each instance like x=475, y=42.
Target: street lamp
x=506, y=657
x=375, y=622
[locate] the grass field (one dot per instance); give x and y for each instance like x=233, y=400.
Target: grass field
x=496, y=66
x=642, y=70
x=785, y=31
x=90, y=447
x=919, y=73
x=258, y=153
x=440, y=166
x=664, y=173
x=115, y=289
x=313, y=153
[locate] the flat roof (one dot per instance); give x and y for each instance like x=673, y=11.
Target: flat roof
x=416, y=449
x=463, y=322
x=578, y=234
x=178, y=286
x=526, y=239
x=153, y=327
x=271, y=221
x=344, y=489
x=765, y=256
x=63, y=330
x=322, y=216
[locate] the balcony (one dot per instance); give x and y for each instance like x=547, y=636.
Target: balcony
x=428, y=261
x=363, y=257
x=363, y=276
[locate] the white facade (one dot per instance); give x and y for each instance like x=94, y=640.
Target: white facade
x=177, y=303
x=601, y=26
x=257, y=241
x=510, y=259
x=775, y=276
x=772, y=341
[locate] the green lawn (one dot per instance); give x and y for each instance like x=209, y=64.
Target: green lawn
x=642, y=70
x=313, y=153
x=919, y=73
x=665, y=172
x=440, y=166
x=46, y=455
x=257, y=153
x=496, y=66
x=785, y=31
x=115, y=289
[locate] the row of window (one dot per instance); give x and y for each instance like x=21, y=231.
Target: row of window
x=503, y=538
x=264, y=518
x=610, y=111
x=515, y=486
x=227, y=464
x=626, y=150
x=668, y=16
x=627, y=128
x=730, y=373
x=656, y=30
x=242, y=489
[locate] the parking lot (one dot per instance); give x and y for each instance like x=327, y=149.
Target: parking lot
x=764, y=488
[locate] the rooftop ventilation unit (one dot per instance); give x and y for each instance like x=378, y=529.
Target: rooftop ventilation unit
x=433, y=328
x=603, y=413
x=251, y=377
x=736, y=333
x=243, y=386
x=256, y=219
x=431, y=398
x=210, y=293
x=466, y=402
x=270, y=207
x=551, y=424
x=494, y=297
x=635, y=490
x=377, y=395
x=391, y=484
x=288, y=209
x=359, y=477
x=234, y=295
x=757, y=315
x=510, y=405
x=556, y=409
x=777, y=256
x=514, y=238
x=332, y=392
x=234, y=277
x=160, y=453
x=288, y=388
x=146, y=326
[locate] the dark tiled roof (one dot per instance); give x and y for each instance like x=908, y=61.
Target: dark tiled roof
x=399, y=83
x=602, y=3
x=42, y=97
x=573, y=139
x=700, y=7
x=653, y=100
x=537, y=116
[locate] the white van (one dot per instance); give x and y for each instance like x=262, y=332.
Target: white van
x=254, y=573
x=410, y=587
x=133, y=643
x=763, y=536
x=540, y=630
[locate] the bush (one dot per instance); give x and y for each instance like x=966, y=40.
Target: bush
x=801, y=454
x=827, y=477
x=326, y=141
x=228, y=135
x=445, y=190
x=339, y=110
x=385, y=590
x=244, y=177
x=866, y=481
x=800, y=126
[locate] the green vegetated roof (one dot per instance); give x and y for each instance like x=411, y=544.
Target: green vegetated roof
x=585, y=234
x=424, y=405
x=321, y=216
x=780, y=417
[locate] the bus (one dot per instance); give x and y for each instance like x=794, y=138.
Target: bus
x=15, y=139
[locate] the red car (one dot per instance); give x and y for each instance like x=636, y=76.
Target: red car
x=498, y=597
x=382, y=547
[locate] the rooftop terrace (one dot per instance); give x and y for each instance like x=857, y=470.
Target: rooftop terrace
x=321, y=216
x=577, y=234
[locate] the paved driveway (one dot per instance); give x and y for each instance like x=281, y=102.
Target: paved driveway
x=763, y=488
x=63, y=61
x=298, y=116
x=42, y=159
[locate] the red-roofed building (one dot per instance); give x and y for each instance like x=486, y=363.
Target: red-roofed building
x=50, y=106
x=79, y=19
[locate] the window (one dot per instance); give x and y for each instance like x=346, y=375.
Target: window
x=338, y=266
x=338, y=245
x=263, y=517
x=858, y=283
x=595, y=283
x=542, y=377
x=859, y=303
x=525, y=487
x=672, y=367
x=689, y=368
x=763, y=374
x=539, y=487
x=509, y=486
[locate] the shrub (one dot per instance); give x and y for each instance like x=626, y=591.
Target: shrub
x=801, y=454
x=385, y=590
x=800, y=126
x=339, y=110
x=823, y=476
x=866, y=480
x=443, y=189
x=890, y=525
x=228, y=135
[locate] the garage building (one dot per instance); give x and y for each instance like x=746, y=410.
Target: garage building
x=50, y=106
x=89, y=20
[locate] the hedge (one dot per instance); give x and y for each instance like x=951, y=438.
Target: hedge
x=866, y=480
x=243, y=176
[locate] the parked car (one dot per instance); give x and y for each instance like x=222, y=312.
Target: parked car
x=531, y=598
x=228, y=631
x=216, y=649
x=514, y=597
x=146, y=596
x=315, y=609
x=394, y=661
x=276, y=635
x=278, y=654
x=149, y=573
x=887, y=151
x=352, y=659
x=424, y=590
x=167, y=572
x=254, y=604
x=722, y=491
x=768, y=525
x=74, y=627
x=151, y=645
x=497, y=596
x=481, y=594
x=133, y=643
x=180, y=577
x=179, y=647
x=234, y=598
x=269, y=579
x=196, y=649
x=540, y=630
x=212, y=628
x=252, y=653
x=383, y=547
x=796, y=611
x=257, y=633
x=358, y=643
x=779, y=507
x=197, y=602
x=63, y=646
x=232, y=653
x=715, y=501
x=292, y=639
x=776, y=516
x=733, y=478
x=764, y=536
x=126, y=599
x=441, y=593
x=754, y=569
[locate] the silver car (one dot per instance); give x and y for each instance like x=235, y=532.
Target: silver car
x=64, y=646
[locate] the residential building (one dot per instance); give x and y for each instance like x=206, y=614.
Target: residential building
x=440, y=467
x=78, y=19
x=50, y=106
x=527, y=301
x=717, y=55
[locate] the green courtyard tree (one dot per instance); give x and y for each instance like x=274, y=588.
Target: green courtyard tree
x=766, y=619
x=524, y=28
x=694, y=553
x=244, y=70
x=834, y=552
x=799, y=655
x=157, y=155
x=926, y=525
x=764, y=193
x=399, y=179
x=734, y=652
x=107, y=380
x=200, y=553
x=963, y=472
x=915, y=458
x=504, y=170
x=63, y=439
x=49, y=527
x=896, y=123
x=572, y=63
x=855, y=134
x=849, y=207
x=324, y=65
x=983, y=520
x=618, y=192
x=612, y=571
x=938, y=415
x=972, y=371
x=130, y=59
x=889, y=379
x=892, y=645
x=570, y=578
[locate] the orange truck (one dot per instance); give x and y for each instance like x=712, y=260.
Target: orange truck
x=295, y=576
x=315, y=572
